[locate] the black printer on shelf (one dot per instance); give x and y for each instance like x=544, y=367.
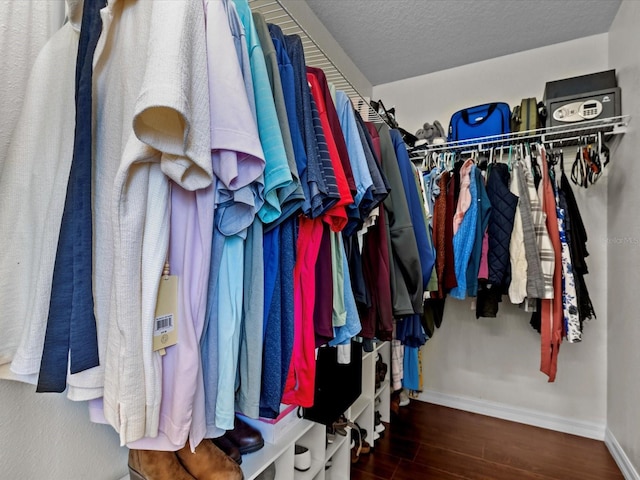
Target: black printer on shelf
x=578, y=99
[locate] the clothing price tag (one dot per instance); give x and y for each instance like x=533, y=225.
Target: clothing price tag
x=165, y=328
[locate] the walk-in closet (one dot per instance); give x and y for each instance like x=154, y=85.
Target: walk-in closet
x=319, y=239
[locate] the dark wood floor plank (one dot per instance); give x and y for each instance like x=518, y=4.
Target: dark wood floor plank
x=438, y=427
x=407, y=471
x=402, y=446
x=554, y=461
x=376, y=463
x=469, y=467
x=360, y=475
x=439, y=443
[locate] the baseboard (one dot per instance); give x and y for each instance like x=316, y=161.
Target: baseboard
x=626, y=467
x=517, y=414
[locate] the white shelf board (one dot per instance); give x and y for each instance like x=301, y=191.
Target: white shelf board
x=383, y=387
x=254, y=463
x=316, y=466
x=359, y=406
x=332, y=448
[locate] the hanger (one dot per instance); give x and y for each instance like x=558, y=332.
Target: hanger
x=579, y=167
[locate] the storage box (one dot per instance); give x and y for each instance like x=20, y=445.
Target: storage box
x=273, y=430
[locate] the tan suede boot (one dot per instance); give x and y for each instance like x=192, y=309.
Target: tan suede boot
x=209, y=463
x=154, y=465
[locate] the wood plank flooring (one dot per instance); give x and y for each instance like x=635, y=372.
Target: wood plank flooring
x=426, y=441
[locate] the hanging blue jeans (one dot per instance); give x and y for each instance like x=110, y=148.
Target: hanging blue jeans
x=71, y=326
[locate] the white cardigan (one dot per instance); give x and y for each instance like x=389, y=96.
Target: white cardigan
x=519, y=265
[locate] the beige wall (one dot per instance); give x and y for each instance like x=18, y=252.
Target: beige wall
x=495, y=362
x=623, y=393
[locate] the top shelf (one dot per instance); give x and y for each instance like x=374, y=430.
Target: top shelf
x=562, y=135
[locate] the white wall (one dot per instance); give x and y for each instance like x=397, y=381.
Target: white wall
x=42, y=435
x=47, y=436
x=623, y=415
x=24, y=29
x=497, y=360
x=507, y=79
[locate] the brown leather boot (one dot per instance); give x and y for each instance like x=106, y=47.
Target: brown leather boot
x=153, y=465
x=209, y=463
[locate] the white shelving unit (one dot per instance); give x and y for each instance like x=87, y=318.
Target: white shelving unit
x=363, y=410
x=313, y=435
x=280, y=450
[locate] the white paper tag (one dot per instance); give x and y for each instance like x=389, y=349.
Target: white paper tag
x=165, y=331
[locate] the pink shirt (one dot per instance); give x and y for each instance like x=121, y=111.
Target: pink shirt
x=464, y=199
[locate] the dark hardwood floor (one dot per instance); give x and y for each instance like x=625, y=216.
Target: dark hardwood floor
x=426, y=441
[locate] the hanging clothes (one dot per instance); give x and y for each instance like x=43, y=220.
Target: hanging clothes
x=239, y=165
x=577, y=240
x=71, y=335
x=277, y=174
x=500, y=225
x=31, y=206
x=352, y=326
x=571, y=326
x=517, y=254
x=551, y=314
x=535, y=277
x=337, y=219
x=323, y=309
x=363, y=199
x=279, y=331
x=299, y=387
x=168, y=131
x=415, y=207
x=465, y=235
x=439, y=231
x=324, y=192
x=484, y=215
x=406, y=274
x=544, y=242
x=291, y=196
x=449, y=277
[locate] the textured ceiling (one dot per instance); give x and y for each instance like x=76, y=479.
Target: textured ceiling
x=395, y=39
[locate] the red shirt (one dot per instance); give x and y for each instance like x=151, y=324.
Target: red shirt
x=338, y=210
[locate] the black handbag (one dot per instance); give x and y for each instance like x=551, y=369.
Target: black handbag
x=337, y=385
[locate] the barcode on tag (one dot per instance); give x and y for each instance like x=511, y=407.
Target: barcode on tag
x=164, y=324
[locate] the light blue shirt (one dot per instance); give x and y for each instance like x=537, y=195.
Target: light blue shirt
x=277, y=174
x=358, y=161
x=343, y=335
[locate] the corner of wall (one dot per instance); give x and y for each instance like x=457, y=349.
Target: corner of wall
x=623, y=251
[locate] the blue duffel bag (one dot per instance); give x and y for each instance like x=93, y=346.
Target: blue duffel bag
x=480, y=121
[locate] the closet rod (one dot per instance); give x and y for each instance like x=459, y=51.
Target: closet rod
x=563, y=134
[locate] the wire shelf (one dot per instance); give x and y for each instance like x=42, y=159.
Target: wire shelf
x=275, y=12
x=562, y=135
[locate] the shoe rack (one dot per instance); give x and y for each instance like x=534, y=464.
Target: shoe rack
x=329, y=461
x=373, y=399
